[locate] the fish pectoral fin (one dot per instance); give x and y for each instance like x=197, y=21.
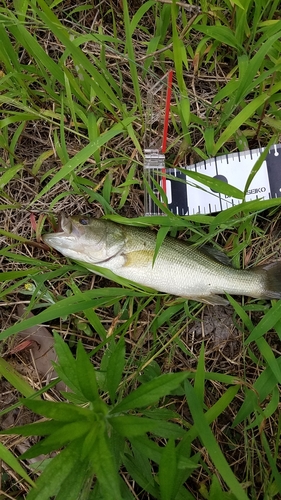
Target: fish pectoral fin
x=138, y=258
x=216, y=255
x=213, y=300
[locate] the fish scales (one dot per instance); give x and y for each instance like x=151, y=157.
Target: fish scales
x=179, y=268
x=185, y=270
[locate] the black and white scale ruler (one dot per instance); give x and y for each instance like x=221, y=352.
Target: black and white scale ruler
x=187, y=197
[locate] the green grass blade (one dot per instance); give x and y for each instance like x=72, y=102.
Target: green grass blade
x=83, y=156
x=208, y=440
x=215, y=184
x=243, y=116
x=222, y=34
x=131, y=54
x=70, y=305
x=15, y=379
x=12, y=462
x=268, y=321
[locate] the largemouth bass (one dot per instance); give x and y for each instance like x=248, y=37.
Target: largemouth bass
x=179, y=268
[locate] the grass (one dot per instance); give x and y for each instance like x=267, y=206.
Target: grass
x=170, y=399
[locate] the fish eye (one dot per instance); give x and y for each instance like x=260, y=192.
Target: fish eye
x=84, y=222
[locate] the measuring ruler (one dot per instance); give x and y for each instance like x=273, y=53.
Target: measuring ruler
x=186, y=196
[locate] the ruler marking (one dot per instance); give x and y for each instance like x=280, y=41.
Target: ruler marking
x=235, y=167
x=216, y=165
x=217, y=174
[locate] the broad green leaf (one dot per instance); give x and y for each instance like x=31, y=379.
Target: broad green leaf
x=66, y=366
x=90, y=441
x=59, y=438
x=150, y=392
x=131, y=426
x=168, y=472
x=148, y=447
x=115, y=367
x=29, y=42
x=86, y=374
x=273, y=404
x=34, y=429
x=105, y=469
x=95, y=322
x=264, y=413
x=154, y=452
x=151, y=487
x=72, y=486
x=61, y=466
x=13, y=275
x=143, y=464
x=91, y=316
x=63, y=412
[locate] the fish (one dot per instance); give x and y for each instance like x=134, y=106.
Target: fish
x=180, y=268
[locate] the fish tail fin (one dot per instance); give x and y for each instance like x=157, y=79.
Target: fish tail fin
x=272, y=274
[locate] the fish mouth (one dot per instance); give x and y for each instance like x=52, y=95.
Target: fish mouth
x=66, y=231
x=68, y=227
x=65, y=225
